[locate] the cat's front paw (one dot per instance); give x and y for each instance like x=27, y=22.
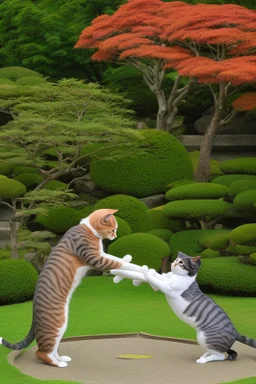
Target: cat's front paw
x=127, y=258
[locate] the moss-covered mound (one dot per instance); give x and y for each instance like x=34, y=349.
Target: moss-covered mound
x=245, y=201
x=30, y=80
x=164, y=234
x=84, y=212
x=59, y=220
x=123, y=229
x=215, y=239
x=18, y=279
x=165, y=160
x=19, y=169
x=240, y=186
x=55, y=185
x=129, y=208
x=209, y=253
x=155, y=219
x=196, y=209
x=227, y=275
x=187, y=242
x=29, y=179
x=240, y=165
x=252, y=258
x=245, y=249
x=146, y=249
x=15, y=73
x=229, y=179
x=244, y=234
x=178, y=183
x=11, y=189
x=197, y=191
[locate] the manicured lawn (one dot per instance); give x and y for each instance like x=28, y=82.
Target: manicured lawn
x=99, y=306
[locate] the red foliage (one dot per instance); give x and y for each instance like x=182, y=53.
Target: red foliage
x=245, y=102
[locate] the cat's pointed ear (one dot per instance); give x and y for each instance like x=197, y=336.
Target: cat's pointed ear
x=110, y=212
x=195, y=259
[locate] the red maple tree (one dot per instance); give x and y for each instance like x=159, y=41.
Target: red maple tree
x=210, y=44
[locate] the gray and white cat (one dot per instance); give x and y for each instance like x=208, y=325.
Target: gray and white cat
x=215, y=331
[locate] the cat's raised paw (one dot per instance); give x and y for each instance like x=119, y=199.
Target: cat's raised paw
x=64, y=358
x=62, y=364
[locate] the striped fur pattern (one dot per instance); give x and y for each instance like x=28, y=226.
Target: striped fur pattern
x=79, y=250
x=215, y=331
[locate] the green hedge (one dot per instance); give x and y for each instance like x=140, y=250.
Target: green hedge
x=11, y=189
x=187, y=242
x=15, y=73
x=197, y=191
x=244, y=234
x=129, y=208
x=29, y=179
x=252, y=258
x=209, y=253
x=146, y=249
x=245, y=201
x=59, y=220
x=240, y=165
x=245, y=249
x=196, y=209
x=240, y=186
x=216, y=239
x=19, y=169
x=18, y=279
x=30, y=80
x=226, y=275
x=155, y=219
x=229, y=179
x=164, y=161
x=164, y=234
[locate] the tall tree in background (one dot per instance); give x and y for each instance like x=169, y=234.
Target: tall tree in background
x=214, y=44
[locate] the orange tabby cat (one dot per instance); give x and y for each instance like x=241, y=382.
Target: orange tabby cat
x=78, y=251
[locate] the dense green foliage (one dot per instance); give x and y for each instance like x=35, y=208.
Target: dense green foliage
x=244, y=234
x=123, y=228
x=239, y=186
x=227, y=275
x=241, y=165
x=217, y=239
x=129, y=208
x=155, y=219
x=178, y=183
x=165, y=160
x=187, y=242
x=17, y=281
x=196, y=209
x=229, y=179
x=245, y=201
x=209, y=253
x=54, y=185
x=29, y=179
x=59, y=220
x=197, y=191
x=11, y=189
x=16, y=73
x=146, y=249
x=24, y=169
x=164, y=234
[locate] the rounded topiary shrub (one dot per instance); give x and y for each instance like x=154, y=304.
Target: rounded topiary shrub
x=55, y=185
x=85, y=211
x=240, y=165
x=187, y=242
x=165, y=160
x=240, y=186
x=164, y=234
x=129, y=208
x=155, y=219
x=30, y=80
x=244, y=234
x=227, y=275
x=229, y=179
x=245, y=249
x=15, y=73
x=29, y=179
x=59, y=220
x=216, y=239
x=19, y=169
x=18, y=279
x=197, y=191
x=252, y=258
x=209, y=253
x=3, y=177
x=245, y=201
x=10, y=189
x=123, y=229
x=146, y=249
x=196, y=209
x=178, y=183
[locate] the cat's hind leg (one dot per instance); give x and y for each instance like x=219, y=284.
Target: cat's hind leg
x=62, y=358
x=50, y=359
x=211, y=355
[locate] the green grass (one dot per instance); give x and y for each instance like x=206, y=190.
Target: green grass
x=99, y=306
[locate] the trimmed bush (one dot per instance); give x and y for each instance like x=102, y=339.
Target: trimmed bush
x=252, y=258
x=59, y=220
x=226, y=275
x=163, y=234
x=129, y=208
x=155, y=219
x=196, y=209
x=217, y=239
x=85, y=211
x=245, y=201
x=30, y=80
x=245, y=249
x=241, y=186
x=197, y=191
x=166, y=160
x=209, y=253
x=229, y=179
x=187, y=242
x=123, y=229
x=4, y=81
x=6, y=168
x=3, y=177
x=244, y=234
x=19, y=169
x=15, y=73
x=10, y=189
x=179, y=183
x=240, y=165
x=29, y=179
x=55, y=185
x=18, y=279
x=146, y=249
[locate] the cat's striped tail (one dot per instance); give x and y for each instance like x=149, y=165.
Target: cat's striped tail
x=22, y=344
x=246, y=340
